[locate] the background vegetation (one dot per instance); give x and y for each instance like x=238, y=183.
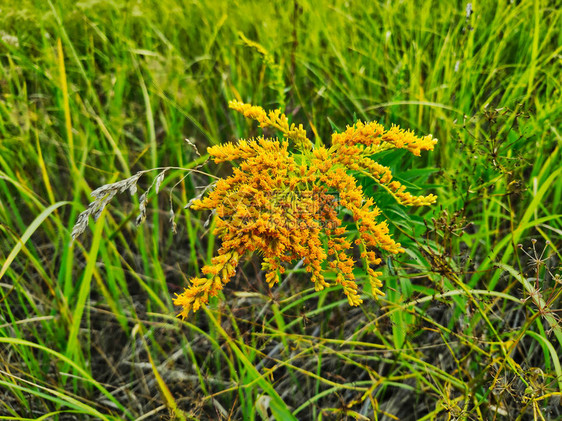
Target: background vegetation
x=93, y=91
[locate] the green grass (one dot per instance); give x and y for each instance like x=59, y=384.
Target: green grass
x=91, y=93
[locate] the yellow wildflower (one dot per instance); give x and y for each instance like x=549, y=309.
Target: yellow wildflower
x=285, y=205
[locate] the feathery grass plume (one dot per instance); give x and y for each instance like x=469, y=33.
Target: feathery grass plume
x=103, y=195
x=284, y=205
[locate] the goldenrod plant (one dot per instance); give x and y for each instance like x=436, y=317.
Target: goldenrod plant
x=284, y=203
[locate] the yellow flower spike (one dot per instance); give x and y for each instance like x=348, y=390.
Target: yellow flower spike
x=285, y=205
x=249, y=111
x=274, y=119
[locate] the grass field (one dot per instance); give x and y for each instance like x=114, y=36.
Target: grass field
x=94, y=91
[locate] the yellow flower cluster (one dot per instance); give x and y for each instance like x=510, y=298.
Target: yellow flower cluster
x=285, y=205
